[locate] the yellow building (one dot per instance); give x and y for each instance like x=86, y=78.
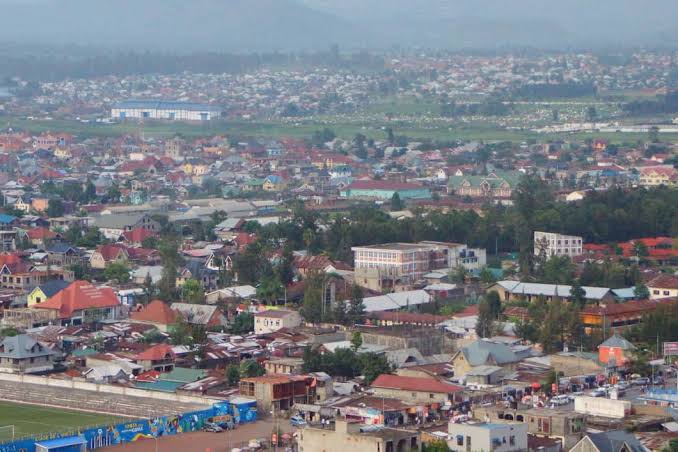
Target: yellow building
x=274, y=183
x=44, y=291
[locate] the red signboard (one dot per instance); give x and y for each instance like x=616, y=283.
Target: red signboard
x=670, y=348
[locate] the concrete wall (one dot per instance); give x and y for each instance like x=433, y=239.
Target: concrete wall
x=108, y=389
x=597, y=406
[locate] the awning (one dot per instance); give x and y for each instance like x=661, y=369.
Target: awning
x=671, y=426
x=307, y=407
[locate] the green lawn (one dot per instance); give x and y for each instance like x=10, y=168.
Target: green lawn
x=34, y=420
x=304, y=128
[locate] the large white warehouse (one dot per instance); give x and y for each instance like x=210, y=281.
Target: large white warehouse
x=168, y=110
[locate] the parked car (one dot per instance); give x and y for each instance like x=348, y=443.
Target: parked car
x=598, y=393
x=560, y=400
x=572, y=395
x=210, y=427
x=297, y=421
x=642, y=381
x=622, y=385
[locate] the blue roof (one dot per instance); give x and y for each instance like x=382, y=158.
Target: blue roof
x=165, y=105
x=6, y=219
x=159, y=385
x=61, y=442
x=53, y=286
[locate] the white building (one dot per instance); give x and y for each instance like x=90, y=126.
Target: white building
x=405, y=263
x=167, y=110
x=273, y=320
x=504, y=437
x=552, y=244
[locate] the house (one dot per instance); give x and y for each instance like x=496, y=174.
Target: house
x=486, y=354
x=158, y=357
x=201, y=315
x=113, y=226
x=274, y=183
x=497, y=437
x=136, y=236
x=24, y=355
x=610, y=441
x=45, y=291
x=496, y=185
x=107, y=254
x=658, y=175
x=550, y=244
x=197, y=269
x=344, y=435
x=63, y=254
x=279, y=392
x=273, y=320
x=663, y=286
x=40, y=236
x=415, y=390
x=384, y=190
x=156, y=313
x=615, y=351
x=81, y=302
x=516, y=290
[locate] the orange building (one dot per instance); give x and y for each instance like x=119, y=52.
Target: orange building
x=615, y=351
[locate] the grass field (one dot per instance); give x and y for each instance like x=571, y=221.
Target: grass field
x=33, y=420
x=304, y=128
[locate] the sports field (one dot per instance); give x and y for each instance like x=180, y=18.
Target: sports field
x=32, y=420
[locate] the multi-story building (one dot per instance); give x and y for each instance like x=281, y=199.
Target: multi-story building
x=274, y=320
x=498, y=437
x=380, y=267
x=552, y=244
x=346, y=435
x=567, y=426
x=279, y=392
x=658, y=175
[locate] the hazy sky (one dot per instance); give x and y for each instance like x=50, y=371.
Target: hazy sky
x=242, y=25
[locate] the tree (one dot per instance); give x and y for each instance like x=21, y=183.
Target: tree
x=117, y=271
x=270, y=290
x=458, y=275
x=192, y=292
x=180, y=332
x=232, y=375
x=312, y=360
x=640, y=249
x=356, y=307
x=486, y=276
x=242, y=323
x=653, y=134
x=396, y=203
x=494, y=301
x=438, y=445
x=284, y=270
x=150, y=243
x=90, y=191
x=356, y=341
x=170, y=258
x=55, y=208
x=312, y=304
x=251, y=368
x=373, y=365
x=485, y=324
x=577, y=293
x=641, y=292
x=591, y=114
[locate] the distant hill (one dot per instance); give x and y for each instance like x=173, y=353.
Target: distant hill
x=246, y=25
x=234, y=25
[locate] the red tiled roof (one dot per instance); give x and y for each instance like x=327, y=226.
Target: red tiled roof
x=40, y=234
x=156, y=353
x=137, y=235
x=78, y=296
x=382, y=185
x=469, y=311
x=414, y=384
x=664, y=282
x=157, y=311
x=110, y=251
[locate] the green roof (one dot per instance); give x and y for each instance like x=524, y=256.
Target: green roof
x=160, y=385
x=495, y=179
x=183, y=375
x=84, y=352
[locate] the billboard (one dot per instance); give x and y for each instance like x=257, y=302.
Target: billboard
x=671, y=348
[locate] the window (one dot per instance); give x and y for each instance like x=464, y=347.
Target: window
x=460, y=440
x=414, y=394
x=512, y=440
x=666, y=292
x=656, y=292
x=430, y=396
